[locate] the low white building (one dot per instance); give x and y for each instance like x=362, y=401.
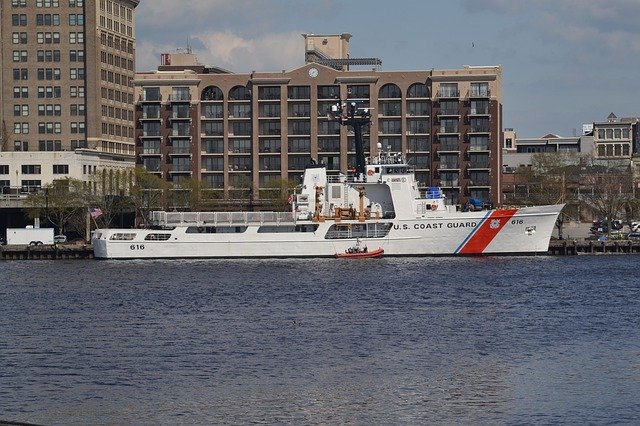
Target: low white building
x=25, y=171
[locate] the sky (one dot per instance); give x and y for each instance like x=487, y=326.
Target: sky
x=565, y=62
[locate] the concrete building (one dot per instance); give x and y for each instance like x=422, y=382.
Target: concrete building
x=520, y=151
x=616, y=138
x=67, y=68
x=250, y=130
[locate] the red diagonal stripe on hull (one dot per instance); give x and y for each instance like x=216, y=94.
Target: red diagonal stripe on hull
x=487, y=231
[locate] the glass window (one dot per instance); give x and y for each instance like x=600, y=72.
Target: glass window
x=390, y=91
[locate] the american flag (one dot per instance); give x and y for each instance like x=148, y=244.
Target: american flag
x=95, y=212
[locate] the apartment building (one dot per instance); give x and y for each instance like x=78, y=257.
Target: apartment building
x=67, y=71
x=616, y=138
x=251, y=130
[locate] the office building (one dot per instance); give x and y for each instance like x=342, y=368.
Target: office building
x=67, y=71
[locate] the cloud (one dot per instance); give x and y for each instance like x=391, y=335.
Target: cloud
x=268, y=52
x=239, y=35
x=584, y=24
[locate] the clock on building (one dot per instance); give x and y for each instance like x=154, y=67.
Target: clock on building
x=313, y=72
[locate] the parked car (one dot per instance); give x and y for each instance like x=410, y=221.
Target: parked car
x=60, y=239
x=635, y=236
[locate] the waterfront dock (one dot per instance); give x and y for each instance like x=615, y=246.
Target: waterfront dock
x=85, y=251
x=46, y=252
x=574, y=247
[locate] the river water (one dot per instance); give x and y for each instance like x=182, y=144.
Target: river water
x=525, y=340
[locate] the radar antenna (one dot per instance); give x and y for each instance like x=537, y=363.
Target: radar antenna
x=348, y=114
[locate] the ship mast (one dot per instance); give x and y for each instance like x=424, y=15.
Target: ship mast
x=348, y=114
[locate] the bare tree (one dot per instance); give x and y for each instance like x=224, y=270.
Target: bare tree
x=608, y=191
x=5, y=137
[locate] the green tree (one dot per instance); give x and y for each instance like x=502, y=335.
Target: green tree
x=59, y=202
x=147, y=192
x=112, y=186
x=194, y=195
x=277, y=193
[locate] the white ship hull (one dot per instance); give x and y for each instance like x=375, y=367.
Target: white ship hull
x=446, y=233
x=381, y=207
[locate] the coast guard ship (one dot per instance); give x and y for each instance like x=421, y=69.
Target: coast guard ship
x=379, y=205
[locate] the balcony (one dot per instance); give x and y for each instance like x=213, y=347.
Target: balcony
x=448, y=166
x=448, y=93
x=448, y=129
x=480, y=182
x=151, y=152
x=179, y=151
x=212, y=116
x=180, y=117
x=180, y=97
x=451, y=147
x=449, y=183
x=479, y=165
x=179, y=168
x=479, y=111
x=151, y=134
x=479, y=129
x=155, y=116
x=484, y=92
x=241, y=114
x=479, y=147
x=180, y=134
x=150, y=98
x=448, y=111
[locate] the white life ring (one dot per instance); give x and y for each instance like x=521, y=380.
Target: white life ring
x=434, y=206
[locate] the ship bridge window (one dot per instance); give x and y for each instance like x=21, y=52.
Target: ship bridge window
x=358, y=230
x=216, y=229
x=122, y=236
x=157, y=237
x=278, y=229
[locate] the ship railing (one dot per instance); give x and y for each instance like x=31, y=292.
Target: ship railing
x=169, y=219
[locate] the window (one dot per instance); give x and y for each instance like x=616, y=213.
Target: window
x=418, y=90
x=20, y=74
x=4, y=169
x=20, y=128
x=76, y=91
x=480, y=89
x=76, y=109
x=269, y=93
x=448, y=90
x=31, y=169
x=358, y=91
x=19, y=38
x=31, y=185
x=19, y=20
x=300, y=145
x=328, y=92
x=49, y=145
x=180, y=94
x=299, y=92
x=21, y=146
x=390, y=91
x=60, y=169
